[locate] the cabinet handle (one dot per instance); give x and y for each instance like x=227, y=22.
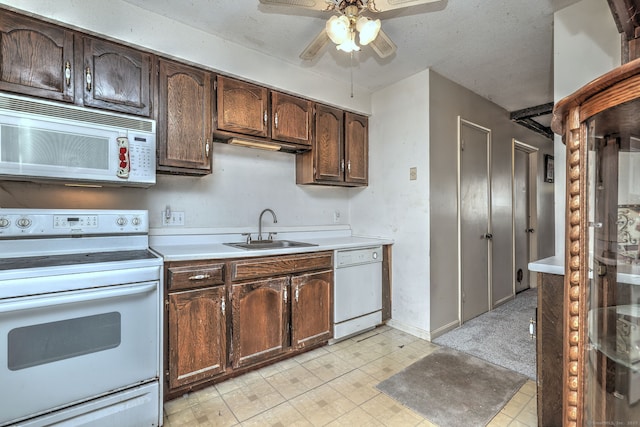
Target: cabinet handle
x=88, y=76
x=67, y=73
x=276, y=120
x=206, y=149
x=266, y=118
x=285, y=294
x=349, y=166
x=200, y=277
x=297, y=293
x=342, y=165
x=223, y=306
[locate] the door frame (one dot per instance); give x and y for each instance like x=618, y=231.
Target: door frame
x=532, y=153
x=460, y=123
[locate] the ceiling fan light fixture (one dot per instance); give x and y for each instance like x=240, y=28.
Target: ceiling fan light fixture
x=349, y=45
x=338, y=29
x=367, y=29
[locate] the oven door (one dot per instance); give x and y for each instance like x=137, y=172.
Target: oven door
x=61, y=349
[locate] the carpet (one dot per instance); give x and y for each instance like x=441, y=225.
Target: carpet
x=451, y=388
x=500, y=336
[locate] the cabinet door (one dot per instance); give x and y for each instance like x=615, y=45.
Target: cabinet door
x=36, y=58
x=328, y=149
x=311, y=308
x=184, y=118
x=197, y=335
x=291, y=118
x=356, y=138
x=242, y=107
x=116, y=77
x=259, y=320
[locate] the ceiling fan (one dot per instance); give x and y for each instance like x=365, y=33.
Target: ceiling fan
x=341, y=28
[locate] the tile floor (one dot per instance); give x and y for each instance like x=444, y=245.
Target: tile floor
x=332, y=385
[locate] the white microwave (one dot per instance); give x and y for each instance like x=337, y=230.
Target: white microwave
x=43, y=141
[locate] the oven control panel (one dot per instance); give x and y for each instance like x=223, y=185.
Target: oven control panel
x=45, y=222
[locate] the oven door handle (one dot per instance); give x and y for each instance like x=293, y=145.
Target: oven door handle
x=84, y=296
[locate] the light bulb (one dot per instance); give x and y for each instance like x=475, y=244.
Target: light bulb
x=349, y=45
x=368, y=30
x=338, y=29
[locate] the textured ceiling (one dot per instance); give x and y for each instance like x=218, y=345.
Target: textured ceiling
x=500, y=49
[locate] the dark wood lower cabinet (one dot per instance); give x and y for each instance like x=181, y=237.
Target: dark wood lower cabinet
x=311, y=308
x=226, y=317
x=549, y=328
x=197, y=335
x=259, y=313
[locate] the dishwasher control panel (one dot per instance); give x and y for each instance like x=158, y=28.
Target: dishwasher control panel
x=358, y=256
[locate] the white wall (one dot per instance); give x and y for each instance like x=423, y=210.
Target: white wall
x=586, y=44
x=244, y=181
x=394, y=206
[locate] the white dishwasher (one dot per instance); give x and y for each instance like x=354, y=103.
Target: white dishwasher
x=357, y=291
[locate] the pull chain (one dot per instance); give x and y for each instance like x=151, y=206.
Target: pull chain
x=351, y=69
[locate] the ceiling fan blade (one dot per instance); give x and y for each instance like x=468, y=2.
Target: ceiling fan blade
x=312, y=50
x=307, y=4
x=383, y=45
x=384, y=5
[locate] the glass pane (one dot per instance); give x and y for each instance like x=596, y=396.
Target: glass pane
x=49, y=342
x=612, y=371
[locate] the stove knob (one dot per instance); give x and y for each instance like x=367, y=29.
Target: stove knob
x=136, y=221
x=121, y=221
x=4, y=222
x=23, y=223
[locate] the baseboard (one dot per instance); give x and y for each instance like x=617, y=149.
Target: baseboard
x=417, y=332
x=502, y=301
x=444, y=329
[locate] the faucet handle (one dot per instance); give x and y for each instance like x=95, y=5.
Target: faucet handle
x=271, y=234
x=248, y=235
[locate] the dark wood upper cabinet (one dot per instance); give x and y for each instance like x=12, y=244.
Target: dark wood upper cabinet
x=356, y=148
x=339, y=155
x=36, y=58
x=311, y=308
x=260, y=320
x=115, y=77
x=185, y=118
x=242, y=107
x=291, y=118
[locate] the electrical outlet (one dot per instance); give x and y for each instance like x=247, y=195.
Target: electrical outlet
x=413, y=174
x=175, y=219
x=336, y=216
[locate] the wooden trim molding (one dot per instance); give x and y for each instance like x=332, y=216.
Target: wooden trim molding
x=575, y=259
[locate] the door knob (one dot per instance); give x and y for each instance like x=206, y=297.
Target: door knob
x=488, y=236
x=529, y=230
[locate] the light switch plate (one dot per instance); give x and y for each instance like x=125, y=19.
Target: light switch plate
x=413, y=174
x=175, y=219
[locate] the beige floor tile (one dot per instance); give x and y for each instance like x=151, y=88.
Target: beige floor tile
x=357, y=417
x=427, y=423
x=390, y=413
x=255, y=397
x=322, y=405
x=313, y=354
x=283, y=365
x=294, y=382
x=179, y=404
x=238, y=382
x=382, y=368
x=529, y=388
x=204, y=394
x=357, y=355
x=328, y=366
x=284, y=415
x=214, y=412
x=184, y=417
x=357, y=386
x=500, y=420
x=516, y=405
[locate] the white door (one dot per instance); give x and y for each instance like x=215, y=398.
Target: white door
x=475, y=236
x=524, y=212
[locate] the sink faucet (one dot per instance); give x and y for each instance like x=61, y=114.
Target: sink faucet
x=275, y=220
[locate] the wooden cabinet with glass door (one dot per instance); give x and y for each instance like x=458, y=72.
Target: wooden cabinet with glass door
x=601, y=339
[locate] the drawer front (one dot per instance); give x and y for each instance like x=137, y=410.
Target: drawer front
x=279, y=265
x=195, y=276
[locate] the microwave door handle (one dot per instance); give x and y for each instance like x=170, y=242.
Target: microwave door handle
x=76, y=298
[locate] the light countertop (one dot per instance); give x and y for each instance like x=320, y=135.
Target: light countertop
x=629, y=274
x=211, y=246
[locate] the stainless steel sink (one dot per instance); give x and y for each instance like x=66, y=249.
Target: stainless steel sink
x=270, y=244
